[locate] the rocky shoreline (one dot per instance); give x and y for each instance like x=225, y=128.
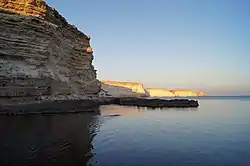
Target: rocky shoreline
x=46, y=66
x=157, y=103
x=90, y=105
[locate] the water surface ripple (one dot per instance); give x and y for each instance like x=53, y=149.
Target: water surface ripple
x=215, y=134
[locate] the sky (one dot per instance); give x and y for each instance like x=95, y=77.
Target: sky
x=174, y=44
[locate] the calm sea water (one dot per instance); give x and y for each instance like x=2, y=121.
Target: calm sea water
x=215, y=134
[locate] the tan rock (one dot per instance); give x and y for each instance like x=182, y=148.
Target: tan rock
x=185, y=93
x=133, y=89
x=202, y=94
x=116, y=88
x=37, y=8
x=157, y=92
x=38, y=44
x=89, y=50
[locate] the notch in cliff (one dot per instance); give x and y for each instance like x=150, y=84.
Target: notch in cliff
x=41, y=55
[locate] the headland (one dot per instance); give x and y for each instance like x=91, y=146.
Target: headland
x=46, y=66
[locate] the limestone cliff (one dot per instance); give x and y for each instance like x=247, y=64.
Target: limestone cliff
x=157, y=92
x=42, y=55
x=185, y=93
x=116, y=88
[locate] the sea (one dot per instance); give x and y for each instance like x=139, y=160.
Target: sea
x=215, y=134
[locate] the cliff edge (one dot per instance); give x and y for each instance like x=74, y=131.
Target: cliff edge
x=158, y=92
x=123, y=89
x=133, y=89
x=42, y=56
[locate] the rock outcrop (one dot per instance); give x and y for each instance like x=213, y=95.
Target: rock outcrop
x=133, y=89
x=41, y=55
x=157, y=92
x=157, y=103
x=185, y=93
x=122, y=89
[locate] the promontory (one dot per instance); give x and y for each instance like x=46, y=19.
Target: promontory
x=46, y=65
x=41, y=55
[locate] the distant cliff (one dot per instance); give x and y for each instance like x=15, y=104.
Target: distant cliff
x=157, y=92
x=117, y=88
x=41, y=55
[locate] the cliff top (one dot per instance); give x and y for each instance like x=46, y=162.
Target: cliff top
x=171, y=90
x=37, y=8
x=121, y=83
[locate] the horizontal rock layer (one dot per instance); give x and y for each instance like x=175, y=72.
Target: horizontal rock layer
x=157, y=92
x=41, y=54
x=116, y=89
x=132, y=89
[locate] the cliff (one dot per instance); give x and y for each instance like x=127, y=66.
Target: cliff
x=185, y=93
x=157, y=92
x=41, y=55
x=116, y=88
x=133, y=89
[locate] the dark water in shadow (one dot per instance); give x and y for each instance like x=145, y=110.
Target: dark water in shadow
x=215, y=134
x=47, y=139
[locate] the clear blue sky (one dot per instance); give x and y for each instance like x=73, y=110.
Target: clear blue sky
x=187, y=44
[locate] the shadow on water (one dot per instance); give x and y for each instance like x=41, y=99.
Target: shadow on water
x=47, y=139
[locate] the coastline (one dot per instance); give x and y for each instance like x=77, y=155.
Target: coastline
x=91, y=105
x=47, y=67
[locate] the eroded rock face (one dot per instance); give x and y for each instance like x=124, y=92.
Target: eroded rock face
x=158, y=92
x=116, y=88
x=42, y=55
x=134, y=89
x=37, y=8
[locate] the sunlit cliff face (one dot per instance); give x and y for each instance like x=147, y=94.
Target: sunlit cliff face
x=135, y=87
x=115, y=87
x=157, y=92
x=185, y=93
x=37, y=8
x=202, y=94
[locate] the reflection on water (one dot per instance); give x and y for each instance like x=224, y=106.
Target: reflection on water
x=120, y=111
x=47, y=139
x=215, y=134
x=128, y=111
